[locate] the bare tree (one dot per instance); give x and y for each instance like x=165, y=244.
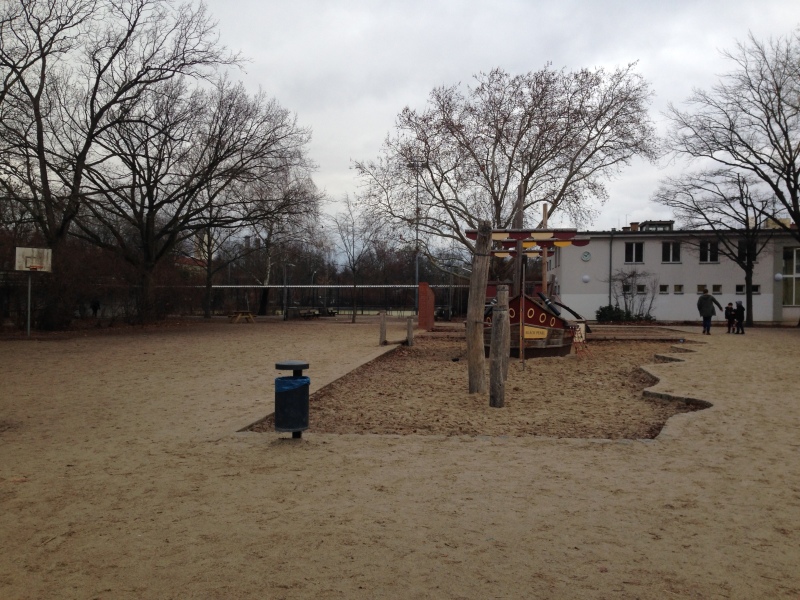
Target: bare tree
x=217, y=242
x=269, y=210
x=77, y=68
x=724, y=202
x=171, y=163
x=555, y=135
x=750, y=121
x=34, y=33
x=357, y=231
x=636, y=290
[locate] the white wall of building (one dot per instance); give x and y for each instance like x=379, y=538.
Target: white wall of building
x=582, y=275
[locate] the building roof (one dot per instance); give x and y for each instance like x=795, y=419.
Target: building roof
x=657, y=229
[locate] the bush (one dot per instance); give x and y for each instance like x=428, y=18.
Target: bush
x=614, y=314
x=606, y=314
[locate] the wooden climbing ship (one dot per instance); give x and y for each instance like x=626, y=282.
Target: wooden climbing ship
x=534, y=327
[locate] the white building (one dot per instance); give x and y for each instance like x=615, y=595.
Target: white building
x=671, y=269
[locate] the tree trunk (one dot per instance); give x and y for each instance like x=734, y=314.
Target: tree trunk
x=355, y=302
x=748, y=288
x=263, y=302
x=500, y=349
x=475, y=307
x=59, y=290
x=208, y=292
x=146, y=300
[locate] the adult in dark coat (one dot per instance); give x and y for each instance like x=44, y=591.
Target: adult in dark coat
x=705, y=306
x=739, y=313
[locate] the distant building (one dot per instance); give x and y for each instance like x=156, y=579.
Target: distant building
x=678, y=264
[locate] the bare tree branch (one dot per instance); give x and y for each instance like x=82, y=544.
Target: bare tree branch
x=750, y=121
x=724, y=202
x=556, y=135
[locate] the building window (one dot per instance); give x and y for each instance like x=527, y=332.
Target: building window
x=791, y=276
x=701, y=287
x=709, y=252
x=641, y=289
x=626, y=288
x=663, y=289
x=677, y=289
x=634, y=252
x=716, y=289
x=670, y=252
x=740, y=289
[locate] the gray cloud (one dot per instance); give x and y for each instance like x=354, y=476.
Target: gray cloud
x=348, y=68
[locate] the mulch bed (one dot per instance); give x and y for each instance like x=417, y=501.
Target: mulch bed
x=423, y=390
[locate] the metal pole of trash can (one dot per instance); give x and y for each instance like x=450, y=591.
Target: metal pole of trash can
x=291, y=398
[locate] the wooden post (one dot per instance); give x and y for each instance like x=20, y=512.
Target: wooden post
x=477, y=300
x=383, y=328
x=499, y=351
x=522, y=317
x=410, y=331
x=519, y=223
x=545, y=252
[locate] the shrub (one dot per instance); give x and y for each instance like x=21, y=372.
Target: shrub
x=606, y=314
x=614, y=314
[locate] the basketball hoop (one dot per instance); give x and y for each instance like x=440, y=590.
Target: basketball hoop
x=35, y=267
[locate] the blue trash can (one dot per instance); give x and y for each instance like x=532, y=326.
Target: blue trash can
x=291, y=404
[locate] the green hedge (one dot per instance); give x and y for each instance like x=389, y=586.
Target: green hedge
x=614, y=314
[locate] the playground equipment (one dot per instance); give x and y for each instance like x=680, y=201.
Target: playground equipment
x=537, y=326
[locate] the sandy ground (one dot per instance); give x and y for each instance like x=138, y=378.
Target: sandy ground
x=123, y=476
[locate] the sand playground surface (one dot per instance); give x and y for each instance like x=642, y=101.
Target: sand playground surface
x=128, y=470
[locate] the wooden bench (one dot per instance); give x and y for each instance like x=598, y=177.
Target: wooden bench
x=238, y=315
x=309, y=314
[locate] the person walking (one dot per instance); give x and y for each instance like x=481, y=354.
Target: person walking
x=705, y=306
x=739, y=314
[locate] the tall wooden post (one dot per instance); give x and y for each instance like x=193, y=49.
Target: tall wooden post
x=383, y=328
x=498, y=369
x=545, y=252
x=518, y=223
x=409, y=331
x=477, y=300
x=522, y=317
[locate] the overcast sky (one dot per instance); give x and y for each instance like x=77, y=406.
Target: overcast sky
x=347, y=68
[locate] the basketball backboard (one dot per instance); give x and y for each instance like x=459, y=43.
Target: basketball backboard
x=34, y=259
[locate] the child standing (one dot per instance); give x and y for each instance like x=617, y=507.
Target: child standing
x=730, y=316
x=739, y=314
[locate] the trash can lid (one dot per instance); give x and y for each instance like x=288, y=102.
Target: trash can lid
x=291, y=365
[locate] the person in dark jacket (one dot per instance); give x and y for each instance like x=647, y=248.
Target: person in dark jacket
x=730, y=317
x=739, y=314
x=705, y=306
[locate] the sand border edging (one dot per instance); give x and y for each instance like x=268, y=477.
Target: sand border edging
x=650, y=392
